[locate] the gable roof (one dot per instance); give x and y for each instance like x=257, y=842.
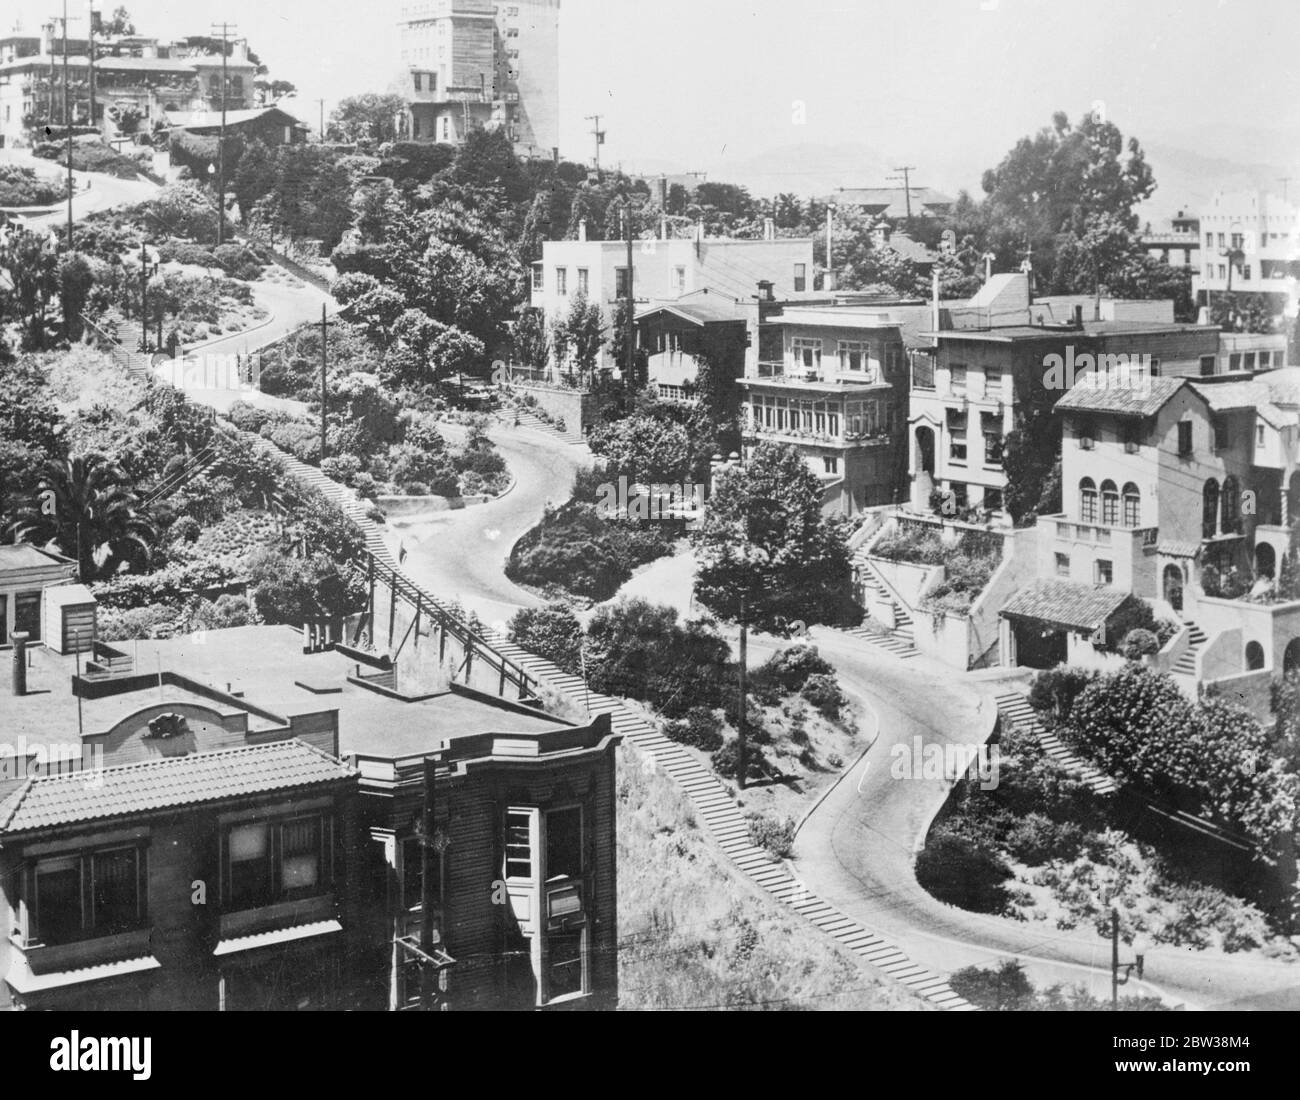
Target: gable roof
x=700, y=307
x=1228, y=396
x=1136, y=401
x=1067, y=604
x=202, y=120
x=163, y=784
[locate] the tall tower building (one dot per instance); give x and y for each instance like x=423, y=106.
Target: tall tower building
x=470, y=63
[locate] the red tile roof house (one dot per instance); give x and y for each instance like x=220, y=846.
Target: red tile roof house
x=261, y=849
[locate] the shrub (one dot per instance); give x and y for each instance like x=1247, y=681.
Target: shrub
x=790, y=668
x=727, y=759
x=248, y=418
x=120, y=625
x=1005, y=989
x=1035, y=839
x=341, y=468
x=1133, y=614
x=700, y=729
x=552, y=632
x=1138, y=644
x=1054, y=691
x=910, y=545
x=484, y=461
x=823, y=692
x=955, y=870
x=365, y=485
x=773, y=834
x=23, y=187
x=186, y=529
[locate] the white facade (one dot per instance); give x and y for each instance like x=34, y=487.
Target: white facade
x=1263, y=228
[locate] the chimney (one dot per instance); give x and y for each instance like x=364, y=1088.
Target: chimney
x=663, y=227
x=582, y=229
x=1077, y=319
x=20, y=661
x=765, y=291
x=699, y=231
x=47, y=39
x=663, y=194
x=769, y=229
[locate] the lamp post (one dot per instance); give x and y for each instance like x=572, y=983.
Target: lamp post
x=1140, y=948
x=148, y=268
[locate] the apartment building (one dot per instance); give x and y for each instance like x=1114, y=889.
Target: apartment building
x=831, y=380
x=972, y=391
x=666, y=270
x=147, y=74
x=476, y=63
x=235, y=819
x=1177, y=243
x=1250, y=245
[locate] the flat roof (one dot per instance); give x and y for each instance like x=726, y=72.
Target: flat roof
x=266, y=665
x=1009, y=334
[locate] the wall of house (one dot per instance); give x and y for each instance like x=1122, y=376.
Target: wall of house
x=1252, y=691
x=1274, y=627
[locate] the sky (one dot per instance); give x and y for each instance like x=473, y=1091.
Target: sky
x=945, y=85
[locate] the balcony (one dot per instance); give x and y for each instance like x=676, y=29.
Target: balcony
x=1097, y=534
x=800, y=435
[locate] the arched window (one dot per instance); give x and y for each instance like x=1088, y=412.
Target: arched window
x=1087, y=501
x=1254, y=656
x=1109, y=504
x=1210, y=511
x=1231, y=507
x=1132, y=506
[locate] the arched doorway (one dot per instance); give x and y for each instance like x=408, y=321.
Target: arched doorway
x=1173, y=587
x=1254, y=656
x=1265, y=560
x=1291, y=659
x=924, y=450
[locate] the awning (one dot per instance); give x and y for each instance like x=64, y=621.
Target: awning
x=277, y=937
x=1065, y=604
x=22, y=980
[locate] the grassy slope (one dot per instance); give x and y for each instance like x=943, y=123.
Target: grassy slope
x=695, y=934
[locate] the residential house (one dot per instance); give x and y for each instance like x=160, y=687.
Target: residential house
x=677, y=335
x=269, y=125
x=894, y=203
x=477, y=63
x=1178, y=243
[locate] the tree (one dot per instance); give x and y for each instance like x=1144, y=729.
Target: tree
x=643, y=449
x=272, y=91
x=764, y=538
x=1050, y=186
x=75, y=282
x=31, y=433
x=577, y=337
x=529, y=342
x=91, y=514
x=640, y=650
x=369, y=118
x=32, y=263
x=120, y=24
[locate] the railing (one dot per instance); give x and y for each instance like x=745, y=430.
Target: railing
x=1100, y=533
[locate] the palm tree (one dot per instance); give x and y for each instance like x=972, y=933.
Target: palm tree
x=85, y=506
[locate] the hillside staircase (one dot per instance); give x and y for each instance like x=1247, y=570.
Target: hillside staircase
x=536, y=423
x=1016, y=711
x=900, y=641
x=1186, y=664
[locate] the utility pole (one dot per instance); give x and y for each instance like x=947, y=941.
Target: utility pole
x=629, y=353
x=741, y=674
x=599, y=135
x=906, y=177
x=67, y=119
x=324, y=396
x=225, y=28
x=90, y=52
x=1285, y=182
x=830, y=247
x=321, y=102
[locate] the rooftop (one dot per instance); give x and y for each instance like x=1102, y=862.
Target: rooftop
x=1140, y=400
x=1010, y=334
x=1065, y=604
x=267, y=666
x=26, y=556
x=198, y=120
x=891, y=201
x=164, y=784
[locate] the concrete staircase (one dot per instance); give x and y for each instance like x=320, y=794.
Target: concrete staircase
x=1186, y=664
x=1015, y=710
x=570, y=435
x=722, y=819
x=901, y=640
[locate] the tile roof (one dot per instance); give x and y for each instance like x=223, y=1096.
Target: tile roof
x=1142, y=400
x=163, y=784
x=1226, y=396
x=1065, y=603
x=1176, y=548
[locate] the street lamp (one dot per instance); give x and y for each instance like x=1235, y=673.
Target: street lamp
x=1140, y=949
x=148, y=269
